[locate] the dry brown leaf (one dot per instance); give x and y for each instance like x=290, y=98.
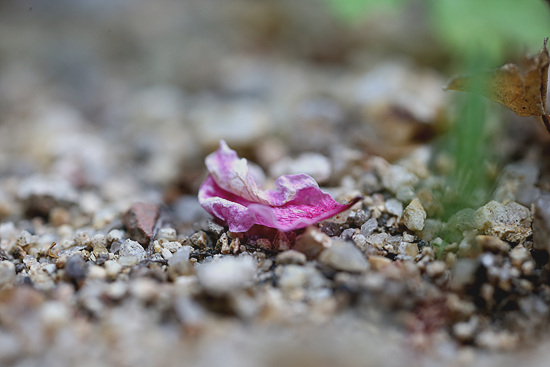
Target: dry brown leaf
x=521, y=87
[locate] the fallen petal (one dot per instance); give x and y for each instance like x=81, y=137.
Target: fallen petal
x=232, y=194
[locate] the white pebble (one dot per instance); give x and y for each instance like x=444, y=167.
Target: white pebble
x=394, y=207
x=112, y=268
x=225, y=275
x=414, y=215
x=168, y=234
x=7, y=273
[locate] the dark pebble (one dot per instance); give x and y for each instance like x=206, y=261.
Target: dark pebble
x=76, y=268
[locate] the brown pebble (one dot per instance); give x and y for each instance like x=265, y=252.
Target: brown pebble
x=492, y=244
x=378, y=262
x=59, y=216
x=140, y=222
x=312, y=242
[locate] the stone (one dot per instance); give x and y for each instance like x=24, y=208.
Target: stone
x=368, y=227
x=436, y=269
x=509, y=221
x=97, y=272
x=347, y=234
x=344, y=256
x=541, y=223
x=465, y=331
x=281, y=242
x=141, y=221
x=225, y=275
x=408, y=249
x=131, y=253
x=519, y=255
x=214, y=228
x=114, y=235
x=463, y=273
x=497, y=340
x=492, y=244
x=292, y=277
x=394, y=207
x=378, y=262
x=167, y=233
x=398, y=177
x=76, y=268
x=414, y=215
x=312, y=242
x=378, y=240
x=7, y=273
x=291, y=257
x=181, y=255
x=112, y=268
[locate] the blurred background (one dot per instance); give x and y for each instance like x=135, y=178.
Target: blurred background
x=122, y=96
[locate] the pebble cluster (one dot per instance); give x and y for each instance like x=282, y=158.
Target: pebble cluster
x=379, y=262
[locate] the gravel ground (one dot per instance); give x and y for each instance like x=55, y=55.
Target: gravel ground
x=106, y=257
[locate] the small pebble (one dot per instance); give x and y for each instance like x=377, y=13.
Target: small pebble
x=344, y=256
x=166, y=233
x=397, y=177
x=76, y=268
x=225, y=275
x=509, y=221
x=113, y=268
x=436, y=268
x=408, y=249
x=394, y=207
x=378, y=262
x=131, y=252
x=463, y=273
x=97, y=272
x=7, y=273
x=368, y=227
x=312, y=242
x=414, y=215
x=291, y=257
x=140, y=221
x=465, y=331
x=492, y=244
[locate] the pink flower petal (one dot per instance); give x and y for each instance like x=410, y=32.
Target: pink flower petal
x=232, y=194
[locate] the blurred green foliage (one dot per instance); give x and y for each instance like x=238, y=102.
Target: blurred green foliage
x=353, y=10
x=490, y=27
x=466, y=26
x=478, y=35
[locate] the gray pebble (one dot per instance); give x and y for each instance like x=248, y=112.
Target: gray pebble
x=181, y=255
x=368, y=227
x=131, y=253
x=397, y=177
x=509, y=221
x=394, y=207
x=344, y=256
x=76, y=267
